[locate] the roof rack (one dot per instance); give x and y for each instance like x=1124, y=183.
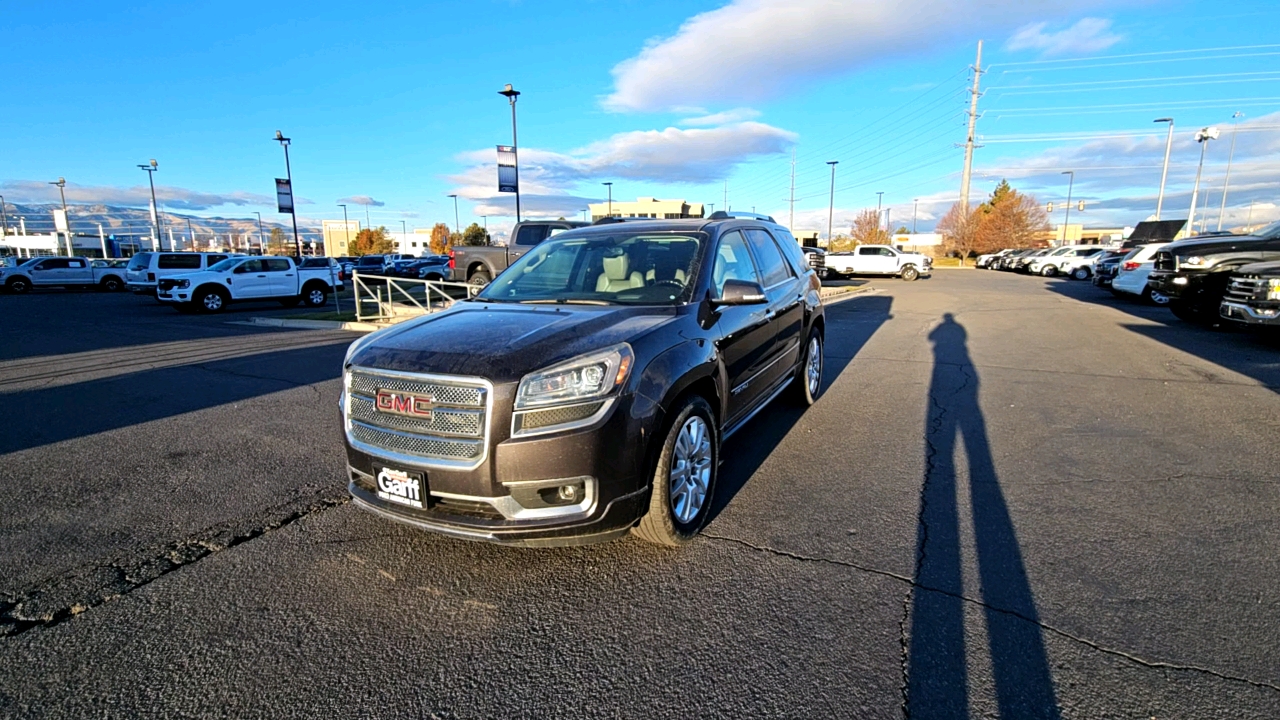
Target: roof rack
x=722, y=215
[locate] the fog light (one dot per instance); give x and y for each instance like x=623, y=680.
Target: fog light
x=567, y=493
x=1179, y=281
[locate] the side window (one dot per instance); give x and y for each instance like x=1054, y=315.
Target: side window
x=77, y=264
x=179, y=261
x=774, y=268
x=531, y=234
x=887, y=252
x=868, y=251
x=52, y=264
x=276, y=265
x=212, y=259
x=733, y=262
x=249, y=266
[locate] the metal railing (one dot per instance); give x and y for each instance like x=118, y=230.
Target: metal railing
x=393, y=297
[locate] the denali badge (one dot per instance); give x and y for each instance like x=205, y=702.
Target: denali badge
x=418, y=406
x=396, y=486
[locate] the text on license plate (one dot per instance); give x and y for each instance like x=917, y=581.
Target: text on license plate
x=401, y=487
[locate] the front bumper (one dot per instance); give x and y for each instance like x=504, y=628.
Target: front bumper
x=141, y=288
x=1249, y=315
x=493, y=502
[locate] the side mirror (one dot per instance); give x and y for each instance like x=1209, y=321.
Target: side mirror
x=740, y=292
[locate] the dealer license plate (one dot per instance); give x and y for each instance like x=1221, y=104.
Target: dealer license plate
x=402, y=487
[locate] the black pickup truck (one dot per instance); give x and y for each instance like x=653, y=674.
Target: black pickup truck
x=479, y=265
x=583, y=394
x=1194, y=273
x=1253, y=295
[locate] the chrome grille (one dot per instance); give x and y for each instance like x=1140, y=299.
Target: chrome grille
x=449, y=421
x=455, y=434
x=1244, y=289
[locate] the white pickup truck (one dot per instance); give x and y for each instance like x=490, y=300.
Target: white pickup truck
x=244, y=279
x=65, y=272
x=879, y=260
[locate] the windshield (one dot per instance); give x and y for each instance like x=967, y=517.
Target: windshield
x=226, y=265
x=140, y=261
x=598, y=269
x=1270, y=231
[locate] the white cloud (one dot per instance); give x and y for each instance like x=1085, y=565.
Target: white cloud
x=721, y=118
x=754, y=50
x=1088, y=35
x=172, y=198
x=548, y=180
x=361, y=200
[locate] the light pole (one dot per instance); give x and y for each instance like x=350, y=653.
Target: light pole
x=1066, y=224
x=831, y=203
x=288, y=173
x=404, y=232
x=155, y=209
x=367, y=222
x=609, y=212
x=1235, y=128
x=192, y=234
x=879, y=212
x=62, y=183
x=1164, y=174
x=1203, y=136
x=455, y=214
x=346, y=225
x=511, y=95
x=915, y=205
x=262, y=238
x=4, y=217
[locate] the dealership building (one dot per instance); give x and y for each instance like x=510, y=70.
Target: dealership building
x=646, y=207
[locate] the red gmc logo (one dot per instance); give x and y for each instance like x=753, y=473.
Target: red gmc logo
x=418, y=406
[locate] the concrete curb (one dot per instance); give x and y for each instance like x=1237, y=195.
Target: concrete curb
x=313, y=324
x=847, y=294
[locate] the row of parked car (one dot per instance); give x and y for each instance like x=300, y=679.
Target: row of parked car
x=1219, y=279
x=427, y=267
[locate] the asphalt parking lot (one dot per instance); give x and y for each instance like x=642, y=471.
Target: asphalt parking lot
x=1018, y=498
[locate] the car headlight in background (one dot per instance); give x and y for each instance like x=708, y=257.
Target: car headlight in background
x=184, y=284
x=1194, y=261
x=583, y=378
x=1273, y=289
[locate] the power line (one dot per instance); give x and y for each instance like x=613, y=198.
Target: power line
x=1269, y=73
x=1228, y=48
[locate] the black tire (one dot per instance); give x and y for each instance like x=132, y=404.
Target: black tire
x=1080, y=273
x=211, y=301
x=290, y=302
x=480, y=278
x=315, y=296
x=1186, y=311
x=18, y=285
x=910, y=273
x=1155, y=298
x=1049, y=270
x=805, y=390
x=111, y=283
x=660, y=525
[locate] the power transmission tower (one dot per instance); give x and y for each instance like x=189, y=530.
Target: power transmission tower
x=973, y=122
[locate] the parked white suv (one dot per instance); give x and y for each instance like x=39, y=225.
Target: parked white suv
x=1053, y=262
x=146, y=268
x=1135, y=268
x=239, y=279
x=879, y=260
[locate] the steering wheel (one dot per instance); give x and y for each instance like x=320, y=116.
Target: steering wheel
x=673, y=283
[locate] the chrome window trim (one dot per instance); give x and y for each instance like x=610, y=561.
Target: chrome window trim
x=417, y=461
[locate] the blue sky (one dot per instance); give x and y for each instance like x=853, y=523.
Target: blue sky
x=398, y=103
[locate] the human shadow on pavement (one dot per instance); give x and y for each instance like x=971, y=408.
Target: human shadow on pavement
x=937, y=684
x=850, y=324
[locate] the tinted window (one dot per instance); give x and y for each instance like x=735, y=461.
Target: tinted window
x=792, y=250
x=251, y=266
x=276, y=264
x=733, y=262
x=211, y=259
x=531, y=234
x=772, y=266
x=140, y=261
x=75, y=263
x=179, y=261
x=868, y=251
x=53, y=264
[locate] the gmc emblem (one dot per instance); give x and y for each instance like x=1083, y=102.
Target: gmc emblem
x=418, y=406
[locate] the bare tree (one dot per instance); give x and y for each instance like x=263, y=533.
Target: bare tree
x=866, y=229
x=961, y=230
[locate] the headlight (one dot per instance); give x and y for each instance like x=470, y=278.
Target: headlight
x=1273, y=289
x=183, y=284
x=1194, y=261
x=582, y=378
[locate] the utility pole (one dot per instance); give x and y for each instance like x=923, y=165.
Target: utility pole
x=791, y=222
x=346, y=226
x=879, y=211
x=1164, y=174
x=1235, y=128
x=404, y=231
x=726, y=195
x=4, y=217
x=262, y=239
x=1066, y=225
x=831, y=204
x=512, y=94
x=915, y=206
x=967, y=174
x=191, y=233
x=455, y=214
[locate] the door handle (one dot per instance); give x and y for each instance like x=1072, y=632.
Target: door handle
x=262, y=276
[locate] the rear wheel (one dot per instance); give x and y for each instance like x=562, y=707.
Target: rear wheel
x=1049, y=270
x=1155, y=297
x=211, y=301
x=808, y=380
x=910, y=273
x=18, y=285
x=480, y=278
x=1080, y=273
x=684, y=477
x=315, y=297
x=111, y=283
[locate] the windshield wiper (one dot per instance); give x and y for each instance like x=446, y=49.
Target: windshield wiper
x=563, y=301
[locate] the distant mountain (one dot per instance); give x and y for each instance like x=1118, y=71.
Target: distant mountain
x=128, y=221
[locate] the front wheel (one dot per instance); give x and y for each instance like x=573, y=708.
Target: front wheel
x=111, y=283
x=809, y=374
x=1049, y=271
x=1155, y=297
x=1080, y=273
x=910, y=273
x=480, y=278
x=18, y=285
x=211, y=301
x=684, y=477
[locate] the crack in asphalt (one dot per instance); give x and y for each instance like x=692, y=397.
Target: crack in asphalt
x=1136, y=659
x=55, y=601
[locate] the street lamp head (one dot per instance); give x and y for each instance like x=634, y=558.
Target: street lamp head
x=453, y=196
x=509, y=92
x=281, y=138
x=1206, y=134
x=1069, y=172
x=154, y=164
x=833, y=162
x=607, y=183
x=1168, y=120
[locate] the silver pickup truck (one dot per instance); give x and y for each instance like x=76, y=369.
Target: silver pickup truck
x=65, y=272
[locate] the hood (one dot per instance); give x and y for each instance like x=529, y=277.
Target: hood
x=503, y=342
x=1207, y=246
x=1261, y=268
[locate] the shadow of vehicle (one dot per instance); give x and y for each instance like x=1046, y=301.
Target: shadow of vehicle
x=937, y=671
x=850, y=324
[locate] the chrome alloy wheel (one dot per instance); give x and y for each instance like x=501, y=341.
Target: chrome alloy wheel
x=690, y=474
x=212, y=301
x=316, y=297
x=813, y=366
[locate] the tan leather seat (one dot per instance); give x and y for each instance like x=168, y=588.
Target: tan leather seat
x=652, y=276
x=616, y=277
